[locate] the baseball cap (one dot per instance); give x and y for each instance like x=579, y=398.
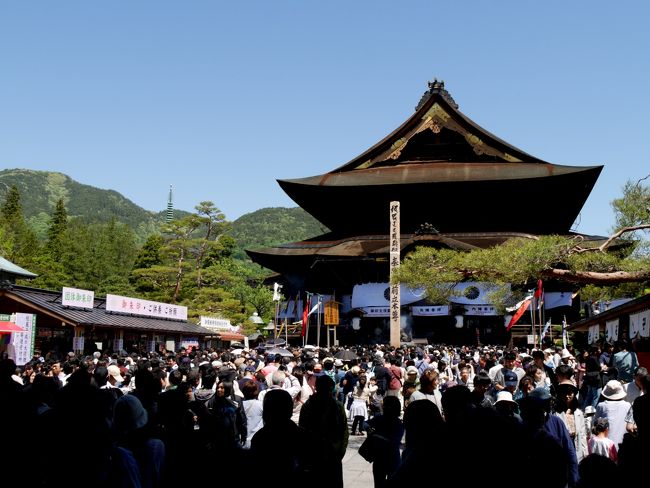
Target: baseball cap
x=510, y=378
x=540, y=393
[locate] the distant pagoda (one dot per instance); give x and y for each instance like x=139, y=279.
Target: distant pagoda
x=170, y=206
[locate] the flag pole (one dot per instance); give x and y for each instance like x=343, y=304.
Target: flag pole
x=540, y=304
x=327, y=331
x=532, y=317
x=306, y=325
x=318, y=321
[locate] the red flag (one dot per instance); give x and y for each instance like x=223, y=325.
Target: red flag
x=305, y=317
x=520, y=312
x=538, y=292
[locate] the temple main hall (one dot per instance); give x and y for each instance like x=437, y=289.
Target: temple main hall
x=459, y=187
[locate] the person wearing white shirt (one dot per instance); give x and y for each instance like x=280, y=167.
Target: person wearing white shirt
x=633, y=389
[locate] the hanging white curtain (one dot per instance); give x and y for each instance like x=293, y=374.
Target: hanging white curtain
x=611, y=330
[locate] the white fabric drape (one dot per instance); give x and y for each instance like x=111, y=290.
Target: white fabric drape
x=640, y=324
x=611, y=330
x=556, y=299
x=593, y=334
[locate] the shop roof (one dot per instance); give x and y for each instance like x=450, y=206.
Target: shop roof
x=49, y=302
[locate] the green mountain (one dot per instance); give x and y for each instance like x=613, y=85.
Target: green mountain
x=40, y=190
x=276, y=225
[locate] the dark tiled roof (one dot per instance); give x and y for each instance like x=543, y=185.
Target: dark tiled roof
x=50, y=302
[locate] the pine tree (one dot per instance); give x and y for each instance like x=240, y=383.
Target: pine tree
x=56, y=231
x=20, y=243
x=12, y=209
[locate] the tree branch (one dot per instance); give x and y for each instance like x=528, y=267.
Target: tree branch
x=605, y=245
x=596, y=278
x=618, y=234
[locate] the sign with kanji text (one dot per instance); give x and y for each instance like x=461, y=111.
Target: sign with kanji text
x=73, y=297
x=215, y=323
x=137, y=306
x=331, y=313
x=23, y=342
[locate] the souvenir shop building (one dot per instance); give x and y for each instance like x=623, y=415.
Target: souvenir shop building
x=72, y=320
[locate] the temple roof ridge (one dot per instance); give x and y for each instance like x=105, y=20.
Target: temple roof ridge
x=436, y=86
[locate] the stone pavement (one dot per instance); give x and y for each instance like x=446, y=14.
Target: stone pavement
x=357, y=472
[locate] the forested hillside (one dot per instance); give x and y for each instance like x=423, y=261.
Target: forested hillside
x=40, y=190
x=272, y=226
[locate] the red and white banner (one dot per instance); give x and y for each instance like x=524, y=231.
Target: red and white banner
x=515, y=318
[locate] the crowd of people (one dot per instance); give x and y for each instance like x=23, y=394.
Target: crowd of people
x=480, y=412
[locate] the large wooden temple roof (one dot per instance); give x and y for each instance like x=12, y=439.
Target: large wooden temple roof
x=463, y=186
x=447, y=171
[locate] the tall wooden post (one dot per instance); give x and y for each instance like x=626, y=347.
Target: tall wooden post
x=395, y=302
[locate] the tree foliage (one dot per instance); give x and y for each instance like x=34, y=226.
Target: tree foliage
x=272, y=226
x=19, y=242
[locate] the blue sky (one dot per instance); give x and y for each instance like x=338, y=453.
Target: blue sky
x=220, y=99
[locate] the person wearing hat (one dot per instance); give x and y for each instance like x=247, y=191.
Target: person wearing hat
x=567, y=358
x=549, y=438
x=614, y=408
x=339, y=374
x=129, y=421
x=568, y=409
x=412, y=376
x=115, y=378
x=507, y=408
x=510, y=370
x=349, y=381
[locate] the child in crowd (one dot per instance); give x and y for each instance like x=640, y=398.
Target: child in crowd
x=599, y=443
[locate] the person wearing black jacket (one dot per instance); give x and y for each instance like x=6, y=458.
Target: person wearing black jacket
x=228, y=417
